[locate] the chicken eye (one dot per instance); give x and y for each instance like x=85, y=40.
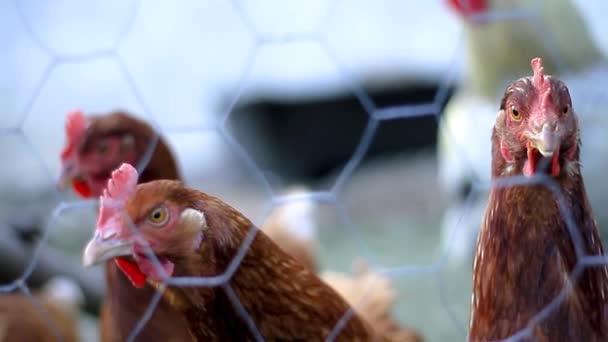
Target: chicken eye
x=515, y=114
x=566, y=109
x=158, y=216
x=126, y=142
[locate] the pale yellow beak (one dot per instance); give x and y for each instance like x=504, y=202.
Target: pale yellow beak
x=99, y=250
x=546, y=141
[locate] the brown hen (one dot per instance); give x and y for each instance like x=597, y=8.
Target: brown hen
x=526, y=255
x=194, y=234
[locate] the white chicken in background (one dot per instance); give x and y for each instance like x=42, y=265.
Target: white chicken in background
x=498, y=52
x=293, y=226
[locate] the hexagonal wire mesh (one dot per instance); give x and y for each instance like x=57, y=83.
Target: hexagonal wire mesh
x=376, y=116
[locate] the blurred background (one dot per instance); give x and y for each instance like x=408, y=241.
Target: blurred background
x=386, y=104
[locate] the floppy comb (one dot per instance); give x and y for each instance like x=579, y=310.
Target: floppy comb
x=539, y=81
x=75, y=126
x=539, y=72
x=119, y=189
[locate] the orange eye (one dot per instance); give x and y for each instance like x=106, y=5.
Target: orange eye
x=158, y=216
x=515, y=114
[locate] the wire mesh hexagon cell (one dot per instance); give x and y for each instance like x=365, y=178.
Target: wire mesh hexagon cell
x=109, y=58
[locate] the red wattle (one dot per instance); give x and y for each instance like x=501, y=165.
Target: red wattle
x=132, y=271
x=466, y=7
x=555, y=169
x=82, y=188
x=530, y=164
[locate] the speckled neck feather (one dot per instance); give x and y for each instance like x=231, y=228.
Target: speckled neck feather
x=285, y=300
x=525, y=257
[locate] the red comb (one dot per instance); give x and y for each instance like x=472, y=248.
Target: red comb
x=538, y=69
x=76, y=124
x=543, y=88
x=468, y=7
x=120, y=188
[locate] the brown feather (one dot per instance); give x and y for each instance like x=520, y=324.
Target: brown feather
x=291, y=226
x=126, y=305
x=22, y=320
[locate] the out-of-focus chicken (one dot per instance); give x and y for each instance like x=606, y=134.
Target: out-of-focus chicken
x=53, y=315
x=526, y=253
x=194, y=234
x=497, y=53
x=292, y=227
x=373, y=296
x=96, y=145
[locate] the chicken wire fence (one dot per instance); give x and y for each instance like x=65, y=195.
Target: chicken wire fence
x=376, y=116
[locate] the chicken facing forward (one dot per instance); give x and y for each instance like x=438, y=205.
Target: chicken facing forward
x=558, y=32
x=526, y=253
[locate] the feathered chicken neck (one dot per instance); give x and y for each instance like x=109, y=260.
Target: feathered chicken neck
x=279, y=294
x=526, y=255
x=208, y=309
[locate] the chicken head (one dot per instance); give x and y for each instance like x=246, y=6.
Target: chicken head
x=145, y=228
x=536, y=128
x=88, y=158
